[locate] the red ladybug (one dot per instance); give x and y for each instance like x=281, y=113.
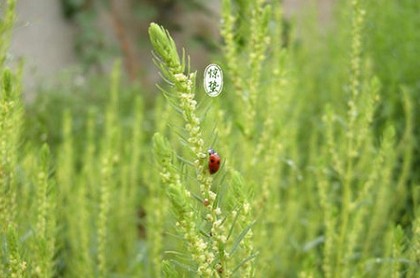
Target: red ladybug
x=214, y=161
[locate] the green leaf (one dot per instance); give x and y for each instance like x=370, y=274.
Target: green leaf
x=241, y=237
x=253, y=256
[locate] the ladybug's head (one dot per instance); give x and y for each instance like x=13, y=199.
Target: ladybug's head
x=211, y=151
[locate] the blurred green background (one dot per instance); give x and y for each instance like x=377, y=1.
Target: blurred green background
x=69, y=46
x=89, y=35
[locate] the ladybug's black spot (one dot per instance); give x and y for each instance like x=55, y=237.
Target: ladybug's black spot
x=218, y=162
x=212, y=160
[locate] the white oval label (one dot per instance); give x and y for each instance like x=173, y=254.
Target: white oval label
x=213, y=80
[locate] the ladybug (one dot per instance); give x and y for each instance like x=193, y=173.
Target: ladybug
x=214, y=161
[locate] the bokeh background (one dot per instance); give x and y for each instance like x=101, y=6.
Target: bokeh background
x=55, y=37
x=68, y=46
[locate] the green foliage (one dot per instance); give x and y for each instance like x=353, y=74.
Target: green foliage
x=203, y=225
x=396, y=63
x=318, y=177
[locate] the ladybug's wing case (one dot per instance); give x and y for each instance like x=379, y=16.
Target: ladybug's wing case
x=214, y=163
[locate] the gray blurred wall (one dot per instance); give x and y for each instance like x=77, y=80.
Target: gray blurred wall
x=44, y=39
